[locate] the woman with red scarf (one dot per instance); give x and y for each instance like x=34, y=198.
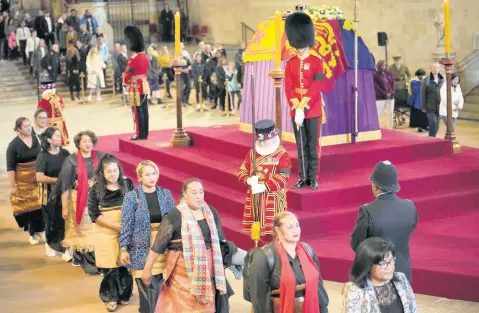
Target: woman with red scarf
x=75, y=179
x=286, y=273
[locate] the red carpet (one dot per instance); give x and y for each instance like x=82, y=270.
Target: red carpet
x=444, y=187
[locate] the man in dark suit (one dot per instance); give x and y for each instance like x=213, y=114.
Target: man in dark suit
x=388, y=216
x=51, y=63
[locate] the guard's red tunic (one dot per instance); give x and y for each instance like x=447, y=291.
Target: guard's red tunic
x=273, y=200
x=303, y=78
x=135, y=74
x=53, y=105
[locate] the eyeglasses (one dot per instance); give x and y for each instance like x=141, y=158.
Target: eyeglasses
x=385, y=264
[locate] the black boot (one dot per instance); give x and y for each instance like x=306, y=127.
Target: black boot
x=159, y=101
x=300, y=184
x=71, y=95
x=78, y=95
x=149, y=101
x=313, y=183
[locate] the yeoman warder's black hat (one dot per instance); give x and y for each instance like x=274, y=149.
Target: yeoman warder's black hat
x=265, y=129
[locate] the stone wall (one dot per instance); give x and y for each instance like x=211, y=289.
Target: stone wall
x=409, y=23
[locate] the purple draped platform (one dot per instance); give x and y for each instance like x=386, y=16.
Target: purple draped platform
x=339, y=102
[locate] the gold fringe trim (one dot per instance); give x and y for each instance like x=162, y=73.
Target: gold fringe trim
x=78, y=247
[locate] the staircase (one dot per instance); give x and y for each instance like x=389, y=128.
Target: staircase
x=471, y=106
x=16, y=84
x=468, y=70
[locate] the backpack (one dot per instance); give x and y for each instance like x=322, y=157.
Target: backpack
x=248, y=260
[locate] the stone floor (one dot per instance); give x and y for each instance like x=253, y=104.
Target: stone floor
x=31, y=282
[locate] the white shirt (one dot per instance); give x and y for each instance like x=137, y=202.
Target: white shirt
x=32, y=44
x=23, y=34
x=457, y=101
x=49, y=23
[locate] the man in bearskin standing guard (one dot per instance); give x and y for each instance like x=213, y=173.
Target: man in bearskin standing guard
x=268, y=181
x=135, y=81
x=304, y=74
x=53, y=105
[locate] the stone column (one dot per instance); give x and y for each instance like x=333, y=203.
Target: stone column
x=99, y=12
x=153, y=13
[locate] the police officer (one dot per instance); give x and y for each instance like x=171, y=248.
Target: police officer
x=388, y=216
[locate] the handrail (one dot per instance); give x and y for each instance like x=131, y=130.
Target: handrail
x=244, y=32
x=246, y=25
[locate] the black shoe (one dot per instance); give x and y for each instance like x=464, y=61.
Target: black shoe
x=169, y=96
x=135, y=138
x=419, y=130
x=300, y=184
x=159, y=101
x=313, y=183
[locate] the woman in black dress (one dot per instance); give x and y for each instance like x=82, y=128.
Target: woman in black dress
x=105, y=201
x=75, y=179
x=25, y=191
x=49, y=164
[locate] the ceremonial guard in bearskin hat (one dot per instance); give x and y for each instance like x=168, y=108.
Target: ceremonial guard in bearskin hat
x=53, y=105
x=303, y=83
x=136, y=81
x=268, y=181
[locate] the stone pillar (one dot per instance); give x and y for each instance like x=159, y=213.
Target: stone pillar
x=99, y=12
x=57, y=8
x=153, y=16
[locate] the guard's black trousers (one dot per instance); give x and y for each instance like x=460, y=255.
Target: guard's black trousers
x=141, y=116
x=307, y=144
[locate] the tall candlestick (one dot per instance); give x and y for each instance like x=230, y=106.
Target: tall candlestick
x=177, y=34
x=447, y=26
x=277, y=39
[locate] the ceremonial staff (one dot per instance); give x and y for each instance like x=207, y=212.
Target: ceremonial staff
x=256, y=227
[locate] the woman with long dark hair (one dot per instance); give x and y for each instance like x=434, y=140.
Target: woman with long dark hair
x=374, y=287
x=25, y=191
x=75, y=179
x=73, y=70
x=105, y=201
x=49, y=164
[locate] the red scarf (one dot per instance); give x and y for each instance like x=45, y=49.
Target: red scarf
x=82, y=188
x=287, y=288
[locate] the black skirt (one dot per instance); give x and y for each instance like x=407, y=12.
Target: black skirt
x=418, y=119
x=54, y=224
x=116, y=285
x=32, y=222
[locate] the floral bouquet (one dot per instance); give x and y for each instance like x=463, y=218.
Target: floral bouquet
x=325, y=13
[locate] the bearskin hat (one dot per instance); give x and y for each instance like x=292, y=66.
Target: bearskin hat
x=134, y=39
x=300, y=30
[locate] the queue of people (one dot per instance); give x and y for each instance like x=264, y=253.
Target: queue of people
x=83, y=208
x=427, y=95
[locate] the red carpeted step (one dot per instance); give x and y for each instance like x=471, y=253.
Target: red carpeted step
x=314, y=222
x=444, y=264
x=398, y=147
x=446, y=173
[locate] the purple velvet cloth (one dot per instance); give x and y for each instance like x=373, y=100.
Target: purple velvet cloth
x=339, y=102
